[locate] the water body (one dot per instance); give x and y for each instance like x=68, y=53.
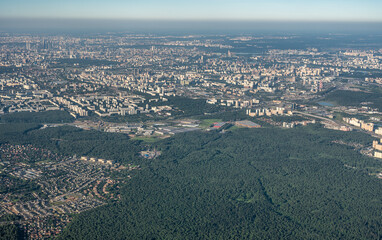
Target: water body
x=326, y=104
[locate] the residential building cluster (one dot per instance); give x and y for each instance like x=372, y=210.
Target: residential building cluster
x=70, y=67
x=367, y=126
x=57, y=187
x=97, y=160
x=267, y=112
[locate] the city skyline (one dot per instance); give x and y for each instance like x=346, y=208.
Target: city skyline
x=275, y=10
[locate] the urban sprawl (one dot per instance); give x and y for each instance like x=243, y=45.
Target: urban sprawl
x=134, y=84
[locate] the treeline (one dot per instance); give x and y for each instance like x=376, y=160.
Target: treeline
x=83, y=62
x=11, y=232
x=246, y=184
x=68, y=141
x=229, y=115
x=17, y=185
x=184, y=107
x=190, y=107
x=37, y=117
x=351, y=98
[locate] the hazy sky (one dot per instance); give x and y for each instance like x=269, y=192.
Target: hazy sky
x=311, y=10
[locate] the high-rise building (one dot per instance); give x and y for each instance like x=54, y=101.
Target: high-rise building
x=46, y=44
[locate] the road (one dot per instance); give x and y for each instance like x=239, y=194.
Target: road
x=315, y=116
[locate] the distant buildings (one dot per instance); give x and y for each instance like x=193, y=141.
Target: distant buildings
x=378, y=131
x=297, y=123
x=378, y=148
x=266, y=112
x=377, y=145
x=99, y=160
x=150, y=154
x=360, y=123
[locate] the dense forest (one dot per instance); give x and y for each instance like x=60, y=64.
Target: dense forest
x=266, y=183
x=37, y=117
x=351, y=98
x=10, y=232
x=246, y=184
x=69, y=141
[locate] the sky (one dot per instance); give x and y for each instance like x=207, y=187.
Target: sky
x=247, y=10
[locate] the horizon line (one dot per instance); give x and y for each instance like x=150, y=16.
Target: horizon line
x=197, y=20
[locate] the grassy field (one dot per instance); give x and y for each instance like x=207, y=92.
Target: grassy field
x=206, y=123
x=234, y=127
